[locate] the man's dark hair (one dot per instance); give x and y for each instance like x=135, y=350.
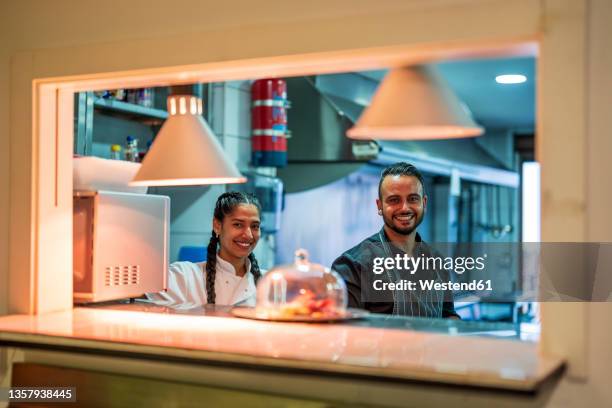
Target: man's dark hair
x=400, y=169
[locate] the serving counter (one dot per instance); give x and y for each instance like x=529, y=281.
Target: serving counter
x=365, y=361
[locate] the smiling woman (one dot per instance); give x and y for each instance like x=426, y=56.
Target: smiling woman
x=231, y=271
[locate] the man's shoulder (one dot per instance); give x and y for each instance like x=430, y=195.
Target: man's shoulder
x=362, y=250
x=186, y=268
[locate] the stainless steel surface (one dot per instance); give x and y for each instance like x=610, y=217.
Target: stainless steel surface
x=353, y=87
x=317, y=126
x=437, y=158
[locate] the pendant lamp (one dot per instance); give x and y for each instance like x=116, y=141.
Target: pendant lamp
x=186, y=151
x=414, y=103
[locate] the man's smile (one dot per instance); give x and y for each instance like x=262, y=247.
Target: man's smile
x=404, y=217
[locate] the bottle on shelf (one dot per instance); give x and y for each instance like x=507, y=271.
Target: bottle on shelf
x=120, y=94
x=144, y=97
x=115, y=152
x=132, y=96
x=131, y=149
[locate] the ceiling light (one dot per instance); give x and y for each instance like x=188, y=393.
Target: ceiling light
x=510, y=79
x=186, y=151
x=414, y=103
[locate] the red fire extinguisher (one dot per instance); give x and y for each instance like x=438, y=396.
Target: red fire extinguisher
x=269, y=123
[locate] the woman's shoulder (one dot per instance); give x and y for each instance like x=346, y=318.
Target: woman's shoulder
x=185, y=267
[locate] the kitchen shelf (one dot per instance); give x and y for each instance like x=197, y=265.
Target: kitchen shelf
x=129, y=108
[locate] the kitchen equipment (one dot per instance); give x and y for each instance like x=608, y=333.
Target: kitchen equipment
x=120, y=245
x=186, y=151
x=269, y=122
x=94, y=173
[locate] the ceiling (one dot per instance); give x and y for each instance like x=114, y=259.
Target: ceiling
x=493, y=105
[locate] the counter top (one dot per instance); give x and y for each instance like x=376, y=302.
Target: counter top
x=341, y=350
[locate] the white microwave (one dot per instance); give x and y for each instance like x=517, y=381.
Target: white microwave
x=120, y=245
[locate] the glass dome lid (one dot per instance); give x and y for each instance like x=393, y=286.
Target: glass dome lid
x=301, y=290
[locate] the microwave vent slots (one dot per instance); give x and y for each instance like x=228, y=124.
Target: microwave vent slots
x=122, y=275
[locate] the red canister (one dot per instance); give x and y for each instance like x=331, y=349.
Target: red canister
x=269, y=122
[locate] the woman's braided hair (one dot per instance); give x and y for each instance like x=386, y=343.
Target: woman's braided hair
x=226, y=203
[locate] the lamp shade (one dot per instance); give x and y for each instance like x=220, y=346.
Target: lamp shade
x=185, y=151
x=414, y=103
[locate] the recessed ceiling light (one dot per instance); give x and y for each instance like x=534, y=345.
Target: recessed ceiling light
x=510, y=79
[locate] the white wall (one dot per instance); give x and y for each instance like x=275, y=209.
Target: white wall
x=330, y=219
x=191, y=215
x=5, y=51
x=595, y=390
x=574, y=204
x=599, y=124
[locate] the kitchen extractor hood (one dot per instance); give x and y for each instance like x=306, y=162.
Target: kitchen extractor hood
x=318, y=153
x=185, y=151
x=414, y=103
x=317, y=124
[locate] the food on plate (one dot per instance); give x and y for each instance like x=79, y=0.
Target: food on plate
x=301, y=291
x=307, y=305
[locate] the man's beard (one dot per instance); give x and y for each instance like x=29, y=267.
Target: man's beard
x=404, y=231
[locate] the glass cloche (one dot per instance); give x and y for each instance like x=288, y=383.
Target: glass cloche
x=302, y=290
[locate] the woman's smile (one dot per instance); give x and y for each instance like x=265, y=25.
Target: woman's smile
x=244, y=244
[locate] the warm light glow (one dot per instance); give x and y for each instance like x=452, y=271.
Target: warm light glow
x=189, y=181
x=510, y=79
x=176, y=322
x=415, y=133
x=184, y=104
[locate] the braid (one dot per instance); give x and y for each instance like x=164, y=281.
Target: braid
x=211, y=268
x=254, y=267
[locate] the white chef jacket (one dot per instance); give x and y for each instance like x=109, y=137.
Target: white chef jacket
x=187, y=286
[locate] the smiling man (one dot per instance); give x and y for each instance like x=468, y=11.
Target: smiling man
x=402, y=203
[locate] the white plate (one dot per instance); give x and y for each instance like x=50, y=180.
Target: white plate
x=249, y=313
